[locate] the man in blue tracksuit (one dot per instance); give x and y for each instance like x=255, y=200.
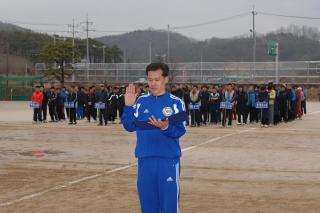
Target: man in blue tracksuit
x=159, y=121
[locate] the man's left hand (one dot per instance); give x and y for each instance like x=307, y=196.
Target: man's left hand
x=158, y=123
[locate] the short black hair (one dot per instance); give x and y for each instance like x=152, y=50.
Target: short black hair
x=156, y=66
x=38, y=87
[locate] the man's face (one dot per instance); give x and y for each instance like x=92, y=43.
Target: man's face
x=37, y=89
x=41, y=89
x=156, y=82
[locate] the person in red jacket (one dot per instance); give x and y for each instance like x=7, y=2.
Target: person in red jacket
x=37, y=97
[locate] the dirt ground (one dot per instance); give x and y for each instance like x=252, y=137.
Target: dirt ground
x=86, y=168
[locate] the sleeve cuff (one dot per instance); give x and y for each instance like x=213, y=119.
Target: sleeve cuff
x=163, y=129
x=128, y=109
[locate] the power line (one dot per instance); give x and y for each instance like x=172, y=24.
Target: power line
x=50, y=31
x=32, y=23
x=212, y=22
x=289, y=16
x=111, y=31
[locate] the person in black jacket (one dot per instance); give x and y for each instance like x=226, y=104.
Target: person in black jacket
x=102, y=97
x=121, y=103
x=72, y=99
x=60, y=104
x=204, y=108
x=241, y=98
x=81, y=103
x=91, y=100
x=113, y=105
x=282, y=101
x=52, y=102
x=44, y=103
x=214, y=106
x=264, y=97
x=179, y=92
x=186, y=99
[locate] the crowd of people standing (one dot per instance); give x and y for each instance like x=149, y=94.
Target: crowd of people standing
x=104, y=104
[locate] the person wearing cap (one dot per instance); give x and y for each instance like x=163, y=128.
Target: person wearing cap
x=90, y=102
x=102, y=98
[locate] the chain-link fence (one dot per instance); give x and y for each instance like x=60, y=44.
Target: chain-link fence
x=299, y=72
x=17, y=88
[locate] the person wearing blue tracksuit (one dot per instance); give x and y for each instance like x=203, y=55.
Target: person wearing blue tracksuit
x=159, y=121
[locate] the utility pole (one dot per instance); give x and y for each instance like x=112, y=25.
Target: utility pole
x=74, y=30
x=150, y=52
x=254, y=13
x=87, y=23
x=168, y=50
x=73, y=27
x=277, y=63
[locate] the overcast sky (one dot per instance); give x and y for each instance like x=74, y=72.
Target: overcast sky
x=128, y=15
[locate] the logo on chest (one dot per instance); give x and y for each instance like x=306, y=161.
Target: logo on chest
x=167, y=111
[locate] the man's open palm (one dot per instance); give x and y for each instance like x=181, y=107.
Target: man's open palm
x=130, y=96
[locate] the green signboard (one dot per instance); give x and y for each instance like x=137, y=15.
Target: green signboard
x=272, y=48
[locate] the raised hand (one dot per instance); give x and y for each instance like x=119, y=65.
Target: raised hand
x=130, y=96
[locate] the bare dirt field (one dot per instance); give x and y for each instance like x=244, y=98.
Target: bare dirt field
x=86, y=168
